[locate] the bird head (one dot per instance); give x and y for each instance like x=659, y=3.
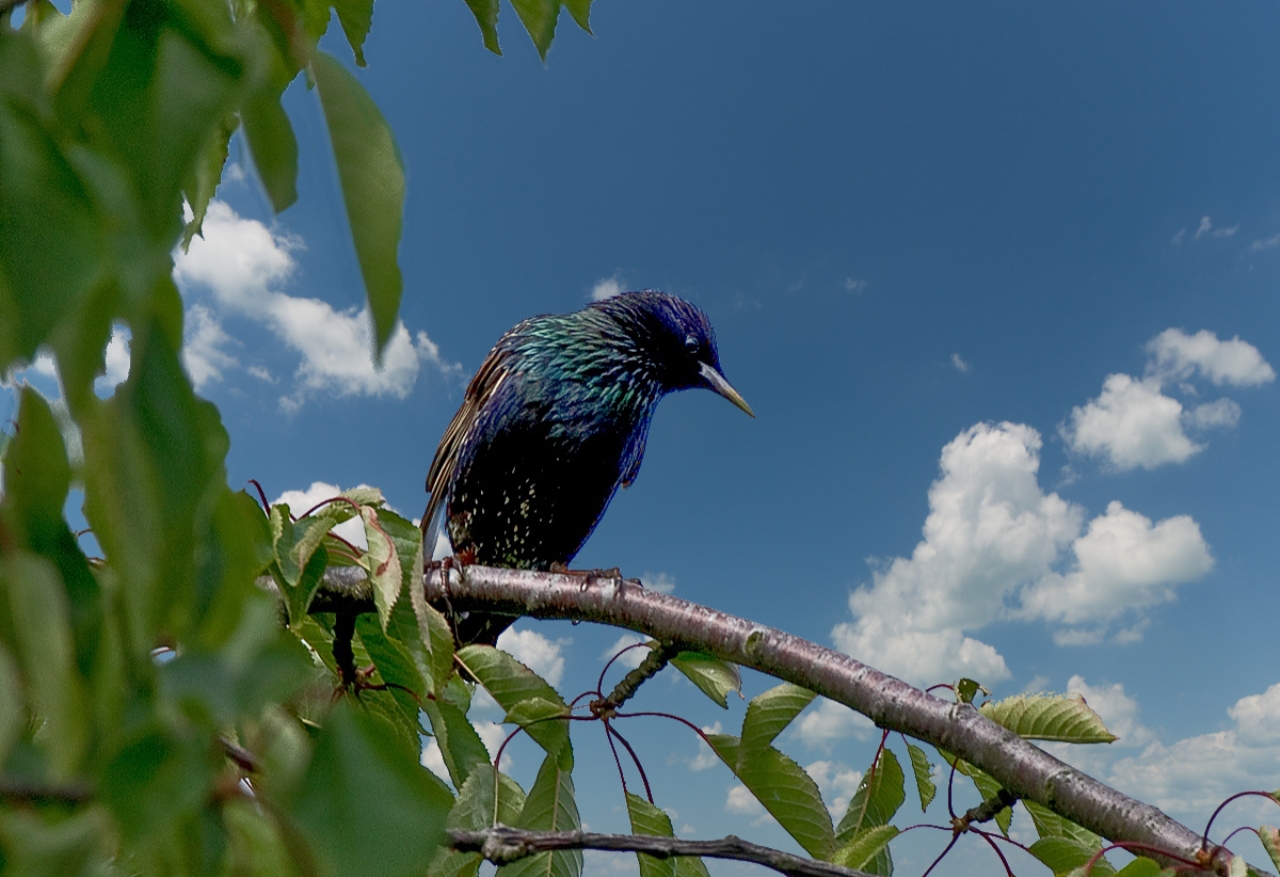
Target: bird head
x=679, y=340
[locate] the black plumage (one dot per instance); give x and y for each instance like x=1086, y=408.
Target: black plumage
x=554, y=421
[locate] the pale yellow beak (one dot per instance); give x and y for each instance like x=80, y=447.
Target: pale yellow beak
x=724, y=388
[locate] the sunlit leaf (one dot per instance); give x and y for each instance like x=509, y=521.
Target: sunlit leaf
x=715, y=678
x=769, y=713
x=646, y=819
x=1063, y=855
x=1066, y=719
x=550, y=806
x=923, y=772
x=865, y=847
x=382, y=562
x=372, y=179
x=510, y=682
x=880, y=794
x=1270, y=837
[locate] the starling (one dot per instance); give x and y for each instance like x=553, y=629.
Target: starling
x=554, y=421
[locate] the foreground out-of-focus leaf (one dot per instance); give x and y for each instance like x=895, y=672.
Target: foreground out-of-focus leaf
x=365, y=805
x=32, y=846
x=785, y=790
x=550, y=806
x=372, y=179
x=715, y=678
x=1064, y=719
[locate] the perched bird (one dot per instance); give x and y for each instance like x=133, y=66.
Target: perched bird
x=553, y=423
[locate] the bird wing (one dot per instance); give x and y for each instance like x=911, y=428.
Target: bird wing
x=492, y=372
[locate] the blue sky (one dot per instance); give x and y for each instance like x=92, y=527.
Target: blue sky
x=1008, y=269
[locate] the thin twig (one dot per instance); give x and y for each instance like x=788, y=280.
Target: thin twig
x=652, y=664
x=985, y=811
x=502, y=845
x=18, y=790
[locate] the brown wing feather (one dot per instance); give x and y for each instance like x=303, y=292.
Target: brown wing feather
x=495, y=367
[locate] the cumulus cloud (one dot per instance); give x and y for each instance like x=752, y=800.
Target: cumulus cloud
x=824, y=722
x=740, y=800
x=837, y=782
x=302, y=501
x=1177, y=355
x=540, y=654
x=116, y=360
x=1134, y=423
x=607, y=288
x=658, y=581
x=994, y=544
x=631, y=658
x=1188, y=777
x=242, y=264
x=959, y=363
x=706, y=757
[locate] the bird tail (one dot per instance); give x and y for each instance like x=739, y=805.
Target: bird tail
x=435, y=535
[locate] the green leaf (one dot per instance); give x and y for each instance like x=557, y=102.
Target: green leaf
x=923, y=771
x=880, y=794
x=1063, y=855
x=365, y=805
x=158, y=780
x=1270, y=837
x=1049, y=824
x=545, y=722
x=372, y=179
x=539, y=19
x=205, y=176
x=865, y=847
x=382, y=562
x=967, y=689
x=13, y=714
x=647, y=819
x=355, y=16
x=41, y=627
x=256, y=847
x=73, y=847
x=1142, y=867
x=784, y=788
x=715, y=678
x=549, y=807
x=985, y=784
x=476, y=806
x=769, y=713
x=486, y=13
x=460, y=746
x=395, y=665
x=1066, y=719
x=581, y=12
x=268, y=132
x=510, y=682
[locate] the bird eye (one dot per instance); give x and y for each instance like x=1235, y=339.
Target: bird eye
x=691, y=343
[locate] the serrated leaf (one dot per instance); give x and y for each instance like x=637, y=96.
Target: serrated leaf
x=460, y=746
x=923, y=771
x=509, y=682
x=648, y=820
x=784, y=788
x=539, y=19
x=769, y=713
x=366, y=806
x=382, y=562
x=355, y=16
x=880, y=794
x=1270, y=838
x=1063, y=855
x=865, y=847
x=550, y=806
x=537, y=714
x=295, y=541
x=486, y=13
x=477, y=806
x=373, y=187
x=1065, y=719
x=205, y=176
x=715, y=678
x=395, y=665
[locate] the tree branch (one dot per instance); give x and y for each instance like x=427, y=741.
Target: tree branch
x=1020, y=767
x=503, y=845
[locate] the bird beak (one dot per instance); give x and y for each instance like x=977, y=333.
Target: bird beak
x=724, y=388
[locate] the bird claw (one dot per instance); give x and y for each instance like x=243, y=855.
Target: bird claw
x=589, y=574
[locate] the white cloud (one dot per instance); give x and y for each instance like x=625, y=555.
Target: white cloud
x=741, y=801
x=116, y=360
x=837, y=782
x=825, y=721
x=1122, y=562
x=1131, y=424
x=242, y=264
x=855, y=285
x=1205, y=225
x=1177, y=355
x=433, y=761
x=631, y=658
x=302, y=501
x=706, y=757
x=1267, y=244
x=1223, y=413
x=204, y=348
x=959, y=363
x=993, y=545
x=1177, y=238
x=541, y=655
x=1189, y=777
x=658, y=581
x=990, y=528
x=607, y=288
x=1206, y=228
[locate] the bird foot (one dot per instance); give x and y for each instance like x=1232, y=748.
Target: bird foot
x=611, y=573
x=465, y=557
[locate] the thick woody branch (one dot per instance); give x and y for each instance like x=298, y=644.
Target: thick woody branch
x=503, y=845
x=1023, y=769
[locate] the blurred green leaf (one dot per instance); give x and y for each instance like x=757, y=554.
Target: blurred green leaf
x=202, y=182
x=157, y=780
x=769, y=713
x=256, y=847
x=923, y=772
x=1062, y=718
x=880, y=794
x=13, y=713
x=865, y=847
x=785, y=790
x=35, y=603
x=372, y=179
x=33, y=846
x=715, y=678
x=550, y=806
x=365, y=805
x=1143, y=867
